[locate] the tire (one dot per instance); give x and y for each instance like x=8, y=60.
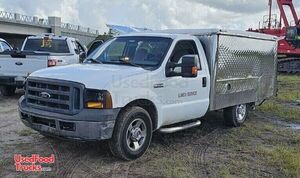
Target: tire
x=235, y=116
x=7, y=90
x=132, y=134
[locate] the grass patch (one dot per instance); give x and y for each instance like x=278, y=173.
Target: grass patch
x=172, y=165
x=288, y=86
x=289, y=114
x=224, y=172
x=25, y=132
x=289, y=78
x=288, y=96
x=287, y=159
x=4, y=163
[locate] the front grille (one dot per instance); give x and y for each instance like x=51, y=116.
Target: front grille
x=54, y=95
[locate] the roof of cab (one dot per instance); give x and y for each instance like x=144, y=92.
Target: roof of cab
x=173, y=33
x=50, y=35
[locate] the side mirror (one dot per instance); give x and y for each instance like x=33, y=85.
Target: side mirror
x=16, y=49
x=82, y=56
x=188, y=67
x=77, y=51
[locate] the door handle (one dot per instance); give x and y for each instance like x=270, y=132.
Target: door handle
x=19, y=63
x=204, y=82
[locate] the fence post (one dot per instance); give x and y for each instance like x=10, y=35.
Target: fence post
x=35, y=19
x=55, y=24
x=17, y=17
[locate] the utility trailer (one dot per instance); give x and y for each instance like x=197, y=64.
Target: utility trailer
x=159, y=80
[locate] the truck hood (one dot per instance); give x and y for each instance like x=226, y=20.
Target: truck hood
x=91, y=75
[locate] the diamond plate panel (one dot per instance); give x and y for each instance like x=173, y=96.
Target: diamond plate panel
x=245, y=69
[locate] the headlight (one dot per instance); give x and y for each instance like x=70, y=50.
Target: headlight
x=97, y=99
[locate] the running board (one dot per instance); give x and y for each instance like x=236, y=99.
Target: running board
x=179, y=128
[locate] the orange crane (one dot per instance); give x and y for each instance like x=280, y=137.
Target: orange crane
x=289, y=32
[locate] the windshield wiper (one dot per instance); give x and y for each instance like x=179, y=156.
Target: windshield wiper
x=126, y=61
x=94, y=60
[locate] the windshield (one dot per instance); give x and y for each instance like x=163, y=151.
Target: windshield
x=141, y=51
x=47, y=45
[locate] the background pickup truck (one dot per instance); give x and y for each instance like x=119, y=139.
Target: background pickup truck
x=38, y=52
x=164, y=81
x=63, y=50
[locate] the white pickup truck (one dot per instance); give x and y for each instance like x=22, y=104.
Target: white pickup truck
x=38, y=52
x=138, y=83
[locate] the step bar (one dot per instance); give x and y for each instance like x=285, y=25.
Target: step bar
x=179, y=128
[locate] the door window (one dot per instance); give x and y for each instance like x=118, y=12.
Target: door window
x=182, y=48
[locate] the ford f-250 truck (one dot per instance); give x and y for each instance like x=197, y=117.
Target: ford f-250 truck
x=38, y=52
x=138, y=83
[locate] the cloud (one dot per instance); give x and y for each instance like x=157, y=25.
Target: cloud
x=155, y=14
x=238, y=6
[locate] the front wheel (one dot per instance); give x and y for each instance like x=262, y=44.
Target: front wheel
x=236, y=115
x=132, y=134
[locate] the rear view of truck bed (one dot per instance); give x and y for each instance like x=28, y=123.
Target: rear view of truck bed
x=242, y=66
x=16, y=66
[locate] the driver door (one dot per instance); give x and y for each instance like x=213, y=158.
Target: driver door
x=185, y=98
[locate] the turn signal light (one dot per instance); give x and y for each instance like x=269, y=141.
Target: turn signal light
x=95, y=105
x=194, y=70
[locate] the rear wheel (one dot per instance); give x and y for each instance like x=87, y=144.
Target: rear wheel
x=132, y=134
x=7, y=90
x=236, y=115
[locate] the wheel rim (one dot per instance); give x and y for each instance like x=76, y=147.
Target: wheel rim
x=241, y=112
x=136, y=134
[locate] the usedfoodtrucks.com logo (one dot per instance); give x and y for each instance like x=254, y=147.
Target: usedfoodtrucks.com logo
x=33, y=163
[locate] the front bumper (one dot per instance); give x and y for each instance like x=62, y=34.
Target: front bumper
x=87, y=125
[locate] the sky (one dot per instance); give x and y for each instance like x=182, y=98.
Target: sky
x=153, y=14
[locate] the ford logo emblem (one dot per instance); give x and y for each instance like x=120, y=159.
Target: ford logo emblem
x=45, y=95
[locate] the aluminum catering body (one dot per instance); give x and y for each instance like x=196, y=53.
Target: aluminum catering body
x=241, y=69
